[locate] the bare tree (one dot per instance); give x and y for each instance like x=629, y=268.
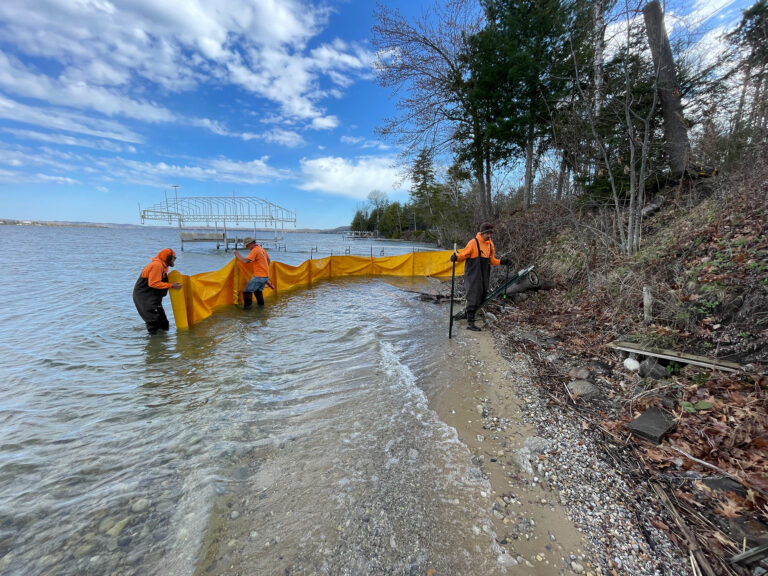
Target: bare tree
x=422, y=63
x=630, y=118
x=598, y=43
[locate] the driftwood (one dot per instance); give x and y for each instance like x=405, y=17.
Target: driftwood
x=527, y=281
x=527, y=286
x=435, y=297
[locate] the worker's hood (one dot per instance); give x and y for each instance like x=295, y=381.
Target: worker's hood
x=164, y=255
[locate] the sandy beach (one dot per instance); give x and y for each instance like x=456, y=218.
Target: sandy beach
x=532, y=532
x=559, y=504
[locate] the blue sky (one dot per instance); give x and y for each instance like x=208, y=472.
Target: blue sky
x=105, y=105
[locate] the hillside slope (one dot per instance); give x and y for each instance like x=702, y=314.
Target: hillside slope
x=705, y=260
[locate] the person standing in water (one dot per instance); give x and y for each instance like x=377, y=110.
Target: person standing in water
x=479, y=255
x=150, y=289
x=258, y=259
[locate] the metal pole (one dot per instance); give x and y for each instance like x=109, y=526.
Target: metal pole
x=453, y=282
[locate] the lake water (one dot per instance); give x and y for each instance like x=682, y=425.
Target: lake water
x=293, y=439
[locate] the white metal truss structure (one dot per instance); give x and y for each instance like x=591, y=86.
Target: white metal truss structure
x=221, y=213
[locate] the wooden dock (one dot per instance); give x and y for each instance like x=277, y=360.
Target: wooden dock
x=220, y=238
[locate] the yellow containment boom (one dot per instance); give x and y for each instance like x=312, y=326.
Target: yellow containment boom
x=201, y=294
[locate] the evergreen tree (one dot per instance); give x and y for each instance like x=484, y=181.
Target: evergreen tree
x=359, y=222
x=521, y=69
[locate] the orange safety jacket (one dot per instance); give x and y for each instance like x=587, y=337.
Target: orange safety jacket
x=259, y=262
x=487, y=250
x=156, y=272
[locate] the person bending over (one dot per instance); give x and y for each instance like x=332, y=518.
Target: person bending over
x=151, y=288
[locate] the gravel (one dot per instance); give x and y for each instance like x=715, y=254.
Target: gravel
x=613, y=511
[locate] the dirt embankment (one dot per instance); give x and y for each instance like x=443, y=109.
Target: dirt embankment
x=705, y=261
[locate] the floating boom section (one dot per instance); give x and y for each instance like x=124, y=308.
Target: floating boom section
x=201, y=294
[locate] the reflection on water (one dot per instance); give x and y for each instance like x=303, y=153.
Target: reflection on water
x=293, y=437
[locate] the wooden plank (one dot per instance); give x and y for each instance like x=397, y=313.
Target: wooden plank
x=202, y=236
x=676, y=356
x=750, y=556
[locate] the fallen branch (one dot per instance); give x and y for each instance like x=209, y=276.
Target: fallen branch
x=697, y=555
x=720, y=470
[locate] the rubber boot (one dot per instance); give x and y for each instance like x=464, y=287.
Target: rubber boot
x=259, y=298
x=247, y=300
x=471, y=322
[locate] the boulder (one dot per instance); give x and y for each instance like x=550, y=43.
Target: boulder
x=651, y=368
x=583, y=389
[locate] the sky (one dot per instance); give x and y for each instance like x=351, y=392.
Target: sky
x=107, y=106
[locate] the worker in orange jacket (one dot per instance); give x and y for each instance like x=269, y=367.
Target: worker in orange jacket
x=258, y=259
x=150, y=288
x=478, y=254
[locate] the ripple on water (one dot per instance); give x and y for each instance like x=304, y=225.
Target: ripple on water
x=116, y=444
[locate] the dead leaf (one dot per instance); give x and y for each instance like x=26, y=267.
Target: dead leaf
x=659, y=524
x=729, y=507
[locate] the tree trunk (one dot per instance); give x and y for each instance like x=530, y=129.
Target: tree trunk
x=488, y=189
x=527, y=188
x=675, y=130
x=755, y=120
x=536, y=163
x=598, y=45
x=561, y=177
x=738, y=121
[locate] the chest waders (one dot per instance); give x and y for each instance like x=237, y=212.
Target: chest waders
x=477, y=276
x=149, y=304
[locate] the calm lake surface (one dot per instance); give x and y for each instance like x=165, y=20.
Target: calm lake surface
x=299, y=435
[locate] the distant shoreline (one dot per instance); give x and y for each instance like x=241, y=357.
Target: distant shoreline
x=13, y=222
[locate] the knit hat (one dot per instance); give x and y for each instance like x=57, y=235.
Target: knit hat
x=486, y=227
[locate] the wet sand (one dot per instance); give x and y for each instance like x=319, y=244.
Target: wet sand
x=531, y=526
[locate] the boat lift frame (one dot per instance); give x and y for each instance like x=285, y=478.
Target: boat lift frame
x=212, y=211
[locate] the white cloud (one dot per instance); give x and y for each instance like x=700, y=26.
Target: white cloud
x=11, y=177
x=325, y=123
x=62, y=120
x=84, y=50
x=350, y=178
x=363, y=143
x=54, y=165
x=54, y=138
x=224, y=170
x=286, y=138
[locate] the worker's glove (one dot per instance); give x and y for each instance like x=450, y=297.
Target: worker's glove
x=453, y=257
x=505, y=262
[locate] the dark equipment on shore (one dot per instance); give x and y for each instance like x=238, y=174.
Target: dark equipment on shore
x=699, y=171
x=453, y=284
x=525, y=279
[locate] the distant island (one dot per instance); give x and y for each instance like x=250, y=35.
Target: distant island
x=12, y=222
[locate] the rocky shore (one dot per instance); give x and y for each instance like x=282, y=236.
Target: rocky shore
x=559, y=504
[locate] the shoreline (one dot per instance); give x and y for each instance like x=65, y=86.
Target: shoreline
x=624, y=529
x=532, y=532
x=556, y=505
